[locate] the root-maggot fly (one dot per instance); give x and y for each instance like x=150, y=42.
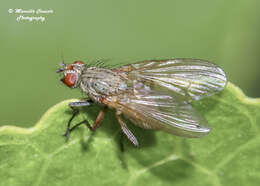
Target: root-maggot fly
x=153, y=94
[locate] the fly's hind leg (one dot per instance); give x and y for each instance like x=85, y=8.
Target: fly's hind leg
x=74, y=106
x=126, y=131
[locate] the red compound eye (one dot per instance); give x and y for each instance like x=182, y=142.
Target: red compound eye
x=69, y=67
x=70, y=79
x=79, y=62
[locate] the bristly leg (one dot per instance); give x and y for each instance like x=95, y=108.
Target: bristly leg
x=69, y=130
x=74, y=106
x=126, y=131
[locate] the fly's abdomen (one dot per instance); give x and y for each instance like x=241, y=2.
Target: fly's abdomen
x=98, y=82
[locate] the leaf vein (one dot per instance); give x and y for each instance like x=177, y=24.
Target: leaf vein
x=230, y=156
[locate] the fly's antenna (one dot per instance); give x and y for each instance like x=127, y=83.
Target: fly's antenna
x=62, y=64
x=62, y=57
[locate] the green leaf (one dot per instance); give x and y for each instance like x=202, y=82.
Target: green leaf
x=229, y=155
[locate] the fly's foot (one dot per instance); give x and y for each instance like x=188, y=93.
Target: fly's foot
x=67, y=134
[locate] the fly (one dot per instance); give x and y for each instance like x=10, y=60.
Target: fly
x=153, y=94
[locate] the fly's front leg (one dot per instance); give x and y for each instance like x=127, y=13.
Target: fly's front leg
x=125, y=130
x=74, y=106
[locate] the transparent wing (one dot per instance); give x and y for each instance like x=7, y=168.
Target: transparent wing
x=163, y=112
x=190, y=79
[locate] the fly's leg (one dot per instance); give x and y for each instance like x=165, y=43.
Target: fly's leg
x=126, y=131
x=67, y=134
x=74, y=106
x=98, y=121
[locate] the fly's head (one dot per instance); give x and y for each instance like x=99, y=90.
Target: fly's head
x=72, y=73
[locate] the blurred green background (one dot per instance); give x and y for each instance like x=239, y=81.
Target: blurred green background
x=225, y=32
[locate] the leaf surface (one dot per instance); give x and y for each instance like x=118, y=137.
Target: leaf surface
x=229, y=155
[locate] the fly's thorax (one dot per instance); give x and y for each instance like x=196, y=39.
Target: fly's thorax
x=99, y=82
